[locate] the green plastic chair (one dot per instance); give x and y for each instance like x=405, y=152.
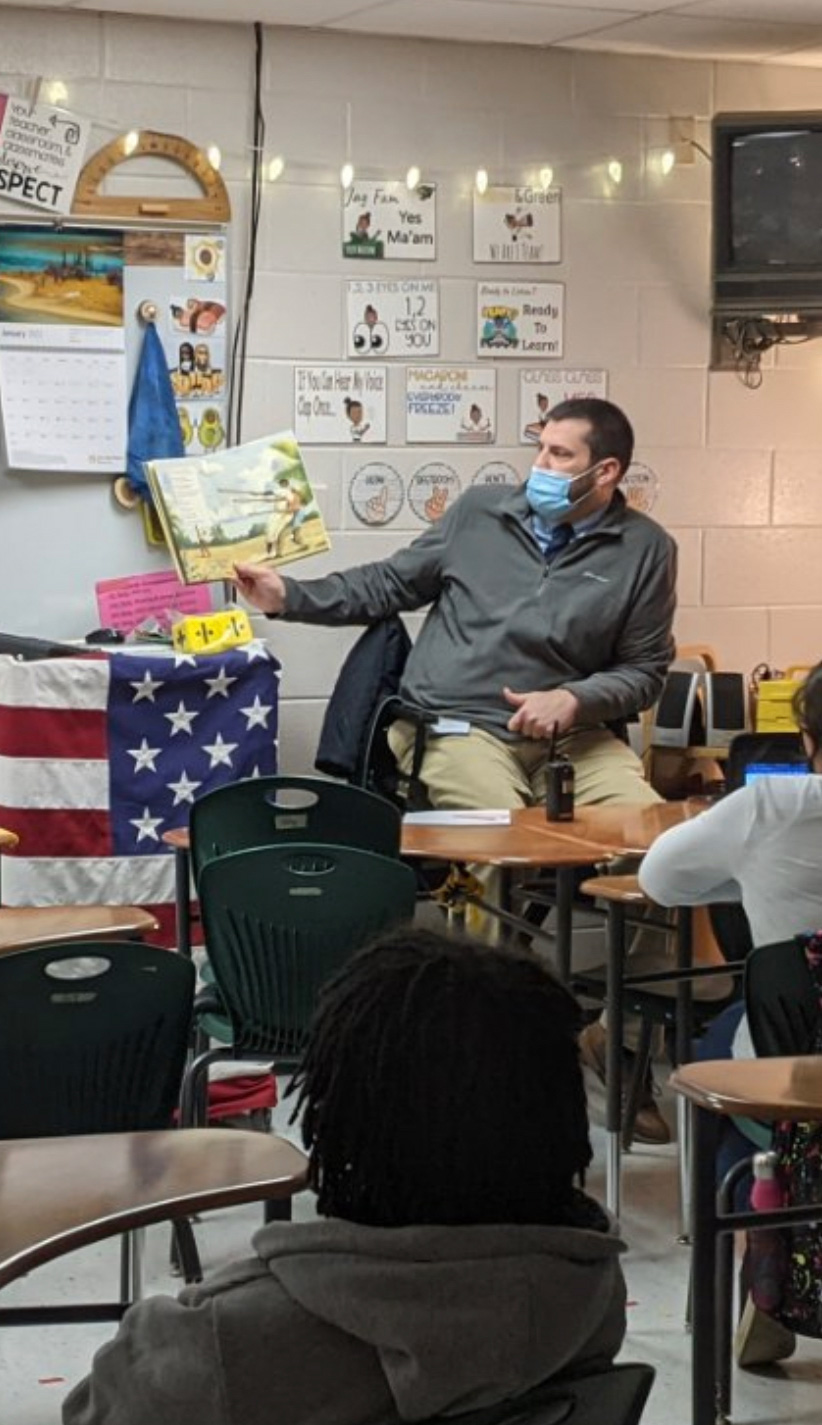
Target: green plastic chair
x=278, y=921
x=93, y=1039
x=264, y=811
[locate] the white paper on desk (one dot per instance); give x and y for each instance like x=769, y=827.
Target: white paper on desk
x=478, y=817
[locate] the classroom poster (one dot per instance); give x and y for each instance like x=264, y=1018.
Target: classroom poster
x=540, y=389
x=41, y=153
x=520, y=318
x=497, y=472
x=640, y=486
x=393, y=318
x=340, y=405
x=376, y=493
x=517, y=225
x=385, y=220
x=432, y=489
x=446, y=405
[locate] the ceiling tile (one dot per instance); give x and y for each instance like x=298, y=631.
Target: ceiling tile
x=676, y=34
x=475, y=21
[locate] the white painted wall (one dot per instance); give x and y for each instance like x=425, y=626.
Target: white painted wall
x=741, y=470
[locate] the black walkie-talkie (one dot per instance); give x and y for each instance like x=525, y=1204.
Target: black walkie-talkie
x=559, y=793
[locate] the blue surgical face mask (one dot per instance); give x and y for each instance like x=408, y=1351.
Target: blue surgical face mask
x=549, y=493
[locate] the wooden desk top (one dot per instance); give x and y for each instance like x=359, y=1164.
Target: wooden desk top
x=529, y=840
x=57, y=1194
x=22, y=926
x=596, y=833
x=770, y=1089
x=628, y=829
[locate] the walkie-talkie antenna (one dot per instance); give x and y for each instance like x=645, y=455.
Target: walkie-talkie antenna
x=553, y=744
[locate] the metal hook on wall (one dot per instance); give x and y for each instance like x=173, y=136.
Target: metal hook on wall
x=148, y=312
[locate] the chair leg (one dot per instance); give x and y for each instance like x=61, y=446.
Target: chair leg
x=132, y=1245
x=642, y=1063
x=184, y=1255
x=277, y=1209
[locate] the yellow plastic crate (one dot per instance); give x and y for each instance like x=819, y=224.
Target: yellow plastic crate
x=774, y=712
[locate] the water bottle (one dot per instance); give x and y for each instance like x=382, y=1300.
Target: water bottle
x=767, y=1254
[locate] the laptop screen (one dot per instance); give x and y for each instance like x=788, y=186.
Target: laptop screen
x=755, y=770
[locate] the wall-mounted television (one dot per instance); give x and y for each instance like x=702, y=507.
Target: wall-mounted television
x=767, y=213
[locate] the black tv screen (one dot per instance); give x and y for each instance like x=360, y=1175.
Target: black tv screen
x=767, y=211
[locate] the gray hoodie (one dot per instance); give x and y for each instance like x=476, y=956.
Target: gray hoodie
x=336, y=1324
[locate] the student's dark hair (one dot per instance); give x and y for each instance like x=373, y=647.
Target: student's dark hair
x=441, y=1084
x=807, y=706
x=611, y=433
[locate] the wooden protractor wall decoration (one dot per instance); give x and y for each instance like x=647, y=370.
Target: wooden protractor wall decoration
x=212, y=207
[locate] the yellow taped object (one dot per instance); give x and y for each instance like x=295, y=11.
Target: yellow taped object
x=211, y=633
x=774, y=710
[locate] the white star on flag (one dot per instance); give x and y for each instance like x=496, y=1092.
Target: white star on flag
x=220, y=751
x=220, y=684
x=257, y=714
x=180, y=660
x=255, y=649
x=184, y=789
x=146, y=825
x=181, y=720
x=144, y=756
x=146, y=688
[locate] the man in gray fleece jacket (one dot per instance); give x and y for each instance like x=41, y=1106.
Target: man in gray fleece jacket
x=551, y=608
x=460, y=1264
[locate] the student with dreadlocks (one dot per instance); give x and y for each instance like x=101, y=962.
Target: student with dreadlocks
x=460, y=1262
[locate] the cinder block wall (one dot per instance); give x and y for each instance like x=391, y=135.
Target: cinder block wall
x=741, y=470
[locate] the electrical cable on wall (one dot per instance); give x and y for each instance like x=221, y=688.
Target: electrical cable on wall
x=751, y=337
x=237, y=368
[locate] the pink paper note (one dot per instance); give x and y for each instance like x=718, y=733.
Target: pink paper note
x=124, y=603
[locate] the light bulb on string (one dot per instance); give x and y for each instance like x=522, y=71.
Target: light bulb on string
x=130, y=142
x=276, y=168
x=615, y=171
x=546, y=177
x=412, y=178
x=667, y=162
x=347, y=175
x=214, y=155
x=481, y=180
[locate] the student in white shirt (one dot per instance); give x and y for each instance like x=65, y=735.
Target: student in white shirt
x=761, y=846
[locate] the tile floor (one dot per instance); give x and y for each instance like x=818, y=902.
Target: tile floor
x=37, y=1366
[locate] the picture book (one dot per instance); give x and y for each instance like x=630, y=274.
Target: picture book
x=250, y=503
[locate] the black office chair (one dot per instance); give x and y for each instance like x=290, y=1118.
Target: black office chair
x=614, y=1396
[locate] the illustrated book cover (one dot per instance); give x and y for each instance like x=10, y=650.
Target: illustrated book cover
x=251, y=503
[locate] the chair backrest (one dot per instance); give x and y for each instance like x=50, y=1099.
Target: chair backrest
x=781, y=1000
x=279, y=920
x=615, y=1396
x=265, y=811
x=93, y=1038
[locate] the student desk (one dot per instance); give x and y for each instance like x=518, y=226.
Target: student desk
x=58, y=1194
x=767, y=1089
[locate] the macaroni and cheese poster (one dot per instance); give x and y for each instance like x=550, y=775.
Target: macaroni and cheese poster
x=447, y=405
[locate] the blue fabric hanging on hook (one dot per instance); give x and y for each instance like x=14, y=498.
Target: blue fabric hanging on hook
x=153, y=424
